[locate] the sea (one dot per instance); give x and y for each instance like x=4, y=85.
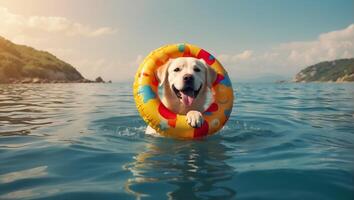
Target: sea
x=87, y=141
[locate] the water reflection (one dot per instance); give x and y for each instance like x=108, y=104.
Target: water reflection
x=24, y=174
x=181, y=170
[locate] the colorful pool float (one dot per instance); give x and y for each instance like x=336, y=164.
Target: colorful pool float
x=170, y=124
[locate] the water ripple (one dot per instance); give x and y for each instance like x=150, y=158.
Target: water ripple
x=87, y=141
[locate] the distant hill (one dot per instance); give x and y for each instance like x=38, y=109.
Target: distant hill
x=22, y=64
x=341, y=70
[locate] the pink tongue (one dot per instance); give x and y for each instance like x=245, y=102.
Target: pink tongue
x=187, y=100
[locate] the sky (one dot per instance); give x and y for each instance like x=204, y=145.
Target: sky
x=251, y=38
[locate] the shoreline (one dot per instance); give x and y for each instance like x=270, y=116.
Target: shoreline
x=47, y=81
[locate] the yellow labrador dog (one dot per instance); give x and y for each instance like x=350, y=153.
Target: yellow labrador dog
x=185, y=82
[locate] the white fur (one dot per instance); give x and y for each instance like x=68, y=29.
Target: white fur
x=168, y=77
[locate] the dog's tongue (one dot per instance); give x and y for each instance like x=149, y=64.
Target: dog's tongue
x=187, y=97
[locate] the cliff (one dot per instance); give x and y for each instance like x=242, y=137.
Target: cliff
x=341, y=70
x=22, y=64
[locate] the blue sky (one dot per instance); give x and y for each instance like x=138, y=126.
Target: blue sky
x=252, y=38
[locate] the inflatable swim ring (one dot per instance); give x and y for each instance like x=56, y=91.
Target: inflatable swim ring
x=170, y=124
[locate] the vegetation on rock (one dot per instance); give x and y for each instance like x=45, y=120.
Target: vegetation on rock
x=19, y=63
x=341, y=70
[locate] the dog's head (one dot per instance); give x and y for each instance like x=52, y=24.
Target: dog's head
x=186, y=77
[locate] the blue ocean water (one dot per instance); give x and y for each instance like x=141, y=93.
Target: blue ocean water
x=86, y=141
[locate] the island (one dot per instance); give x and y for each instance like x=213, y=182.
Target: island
x=24, y=64
x=341, y=70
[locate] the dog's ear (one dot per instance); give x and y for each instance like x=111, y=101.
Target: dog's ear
x=211, y=76
x=210, y=73
x=161, y=73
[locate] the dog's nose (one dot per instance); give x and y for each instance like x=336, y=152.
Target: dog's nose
x=188, y=78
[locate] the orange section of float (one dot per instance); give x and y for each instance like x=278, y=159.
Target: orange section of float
x=170, y=124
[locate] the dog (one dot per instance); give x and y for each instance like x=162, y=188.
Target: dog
x=185, y=83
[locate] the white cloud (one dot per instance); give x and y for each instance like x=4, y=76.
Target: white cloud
x=328, y=46
x=289, y=58
x=245, y=55
x=12, y=25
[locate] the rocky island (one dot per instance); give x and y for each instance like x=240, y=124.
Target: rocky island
x=341, y=70
x=23, y=64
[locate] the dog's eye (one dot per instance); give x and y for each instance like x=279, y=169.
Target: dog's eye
x=177, y=69
x=196, y=69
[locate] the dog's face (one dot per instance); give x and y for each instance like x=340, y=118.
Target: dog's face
x=187, y=77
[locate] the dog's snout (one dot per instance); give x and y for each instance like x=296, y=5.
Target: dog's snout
x=188, y=78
